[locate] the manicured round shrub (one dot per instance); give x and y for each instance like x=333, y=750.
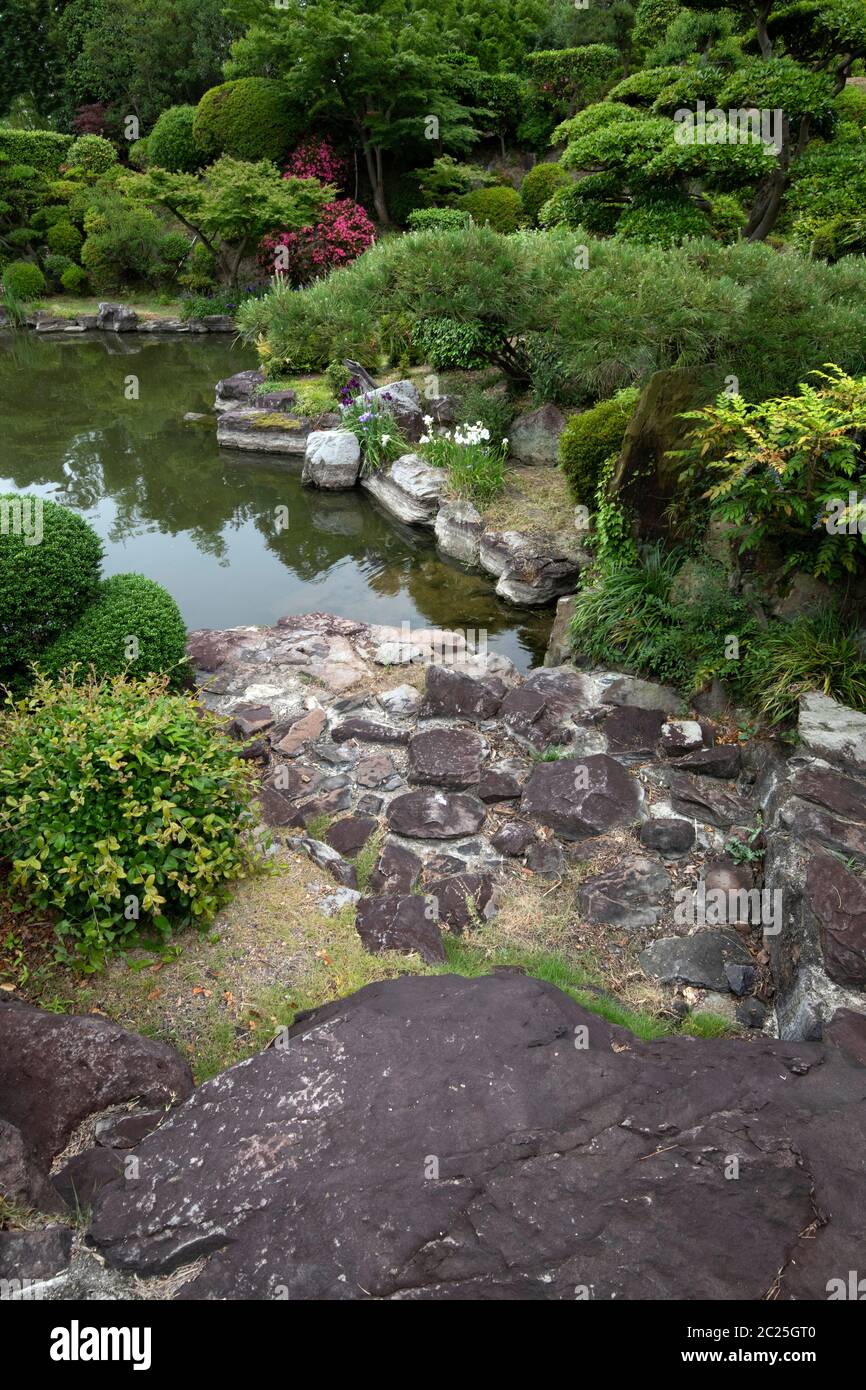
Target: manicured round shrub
x=123, y=809
x=64, y=239
x=435, y=219
x=499, y=208
x=24, y=279
x=133, y=625
x=541, y=183
x=74, y=279
x=171, y=144
x=49, y=573
x=342, y=232
x=249, y=118
x=55, y=266
x=590, y=438
x=91, y=153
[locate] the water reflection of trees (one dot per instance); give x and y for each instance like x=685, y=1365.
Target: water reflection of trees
x=68, y=426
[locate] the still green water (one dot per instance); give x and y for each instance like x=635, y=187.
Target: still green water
x=209, y=523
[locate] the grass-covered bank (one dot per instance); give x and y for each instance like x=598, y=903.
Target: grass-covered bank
x=221, y=994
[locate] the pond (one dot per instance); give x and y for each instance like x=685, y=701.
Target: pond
x=96, y=423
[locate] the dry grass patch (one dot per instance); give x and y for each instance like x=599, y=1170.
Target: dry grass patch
x=533, y=499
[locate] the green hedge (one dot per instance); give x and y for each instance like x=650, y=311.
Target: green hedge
x=133, y=625
x=590, y=438
x=432, y=219
x=44, y=587
x=250, y=118
x=43, y=150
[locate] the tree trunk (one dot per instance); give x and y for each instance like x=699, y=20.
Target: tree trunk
x=373, y=156
x=768, y=202
x=765, y=43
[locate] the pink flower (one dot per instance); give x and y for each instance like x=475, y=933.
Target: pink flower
x=343, y=231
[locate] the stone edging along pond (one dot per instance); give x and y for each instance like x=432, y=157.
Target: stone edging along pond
x=119, y=318
x=530, y=569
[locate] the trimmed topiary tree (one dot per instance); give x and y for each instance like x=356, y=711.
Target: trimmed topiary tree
x=64, y=239
x=133, y=626
x=49, y=573
x=249, y=118
x=541, y=183
x=590, y=438
x=171, y=144
x=91, y=153
x=499, y=208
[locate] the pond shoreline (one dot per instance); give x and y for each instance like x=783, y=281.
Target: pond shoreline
x=119, y=318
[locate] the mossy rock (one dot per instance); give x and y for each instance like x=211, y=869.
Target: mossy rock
x=645, y=478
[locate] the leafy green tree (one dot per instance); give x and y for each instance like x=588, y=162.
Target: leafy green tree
x=142, y=56
x=30, y=54
x=232, y=204
x=380, y=73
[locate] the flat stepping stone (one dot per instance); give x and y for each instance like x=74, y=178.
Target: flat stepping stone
x=577, y=797
x=435, y=815
x=445, y=758
x=407, y=924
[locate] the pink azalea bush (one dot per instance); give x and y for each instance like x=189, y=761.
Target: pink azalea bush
x=343, y=231
x=316, y=158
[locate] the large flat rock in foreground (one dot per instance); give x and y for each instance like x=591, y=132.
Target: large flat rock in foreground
x=446, y=1138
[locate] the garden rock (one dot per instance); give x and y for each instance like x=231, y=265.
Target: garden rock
x=349, y=836
x=832, y=731
x=723, y=760
x=701, y=959
x=581, y=797
x=631, y=690
x=632, y=732
x=681, y=736
x=116, y=318
x=445, y=758
x=668, y=834
x=458, y=530
x=631, y=895
x=327, y=858
x=705, y=800
x=403, y=702
x=345, y=1115
x=268, y=431
x=237, y=389
x=435, y=815
x=409, y=489
x=513, y=838
x=332, y=460
x=546, y=859
x=451, y=694
x=397, y=871
x=406, y=924
x=463, y=900
x=401, y=400
x=57, y=1069
x=35, y=1255
x=534, y=438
